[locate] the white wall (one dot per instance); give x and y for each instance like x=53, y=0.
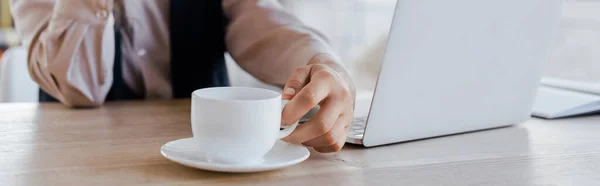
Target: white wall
x=577, y=52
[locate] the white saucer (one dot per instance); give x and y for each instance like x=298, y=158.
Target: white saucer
x=282, y=155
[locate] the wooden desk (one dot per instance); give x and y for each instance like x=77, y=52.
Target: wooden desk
x=118, y=144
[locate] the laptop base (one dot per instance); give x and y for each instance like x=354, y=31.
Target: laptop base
x=357, y=131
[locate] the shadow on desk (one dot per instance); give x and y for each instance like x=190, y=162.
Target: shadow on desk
x=512, y=140
x=587, y=115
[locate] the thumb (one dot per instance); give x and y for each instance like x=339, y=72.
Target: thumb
x=296, y=82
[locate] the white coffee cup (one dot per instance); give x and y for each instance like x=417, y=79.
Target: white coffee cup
x=237, y=125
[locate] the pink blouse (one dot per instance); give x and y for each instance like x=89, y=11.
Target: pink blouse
x=71, y=45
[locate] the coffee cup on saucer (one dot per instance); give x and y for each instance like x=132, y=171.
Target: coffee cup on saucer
x=236, y=127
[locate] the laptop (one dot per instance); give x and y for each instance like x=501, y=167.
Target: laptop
x=458, y=66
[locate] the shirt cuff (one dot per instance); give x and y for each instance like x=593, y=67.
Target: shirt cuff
x=86, y=11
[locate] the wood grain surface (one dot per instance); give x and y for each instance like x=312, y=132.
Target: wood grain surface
x=118, y=144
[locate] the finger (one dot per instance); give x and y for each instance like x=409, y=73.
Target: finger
x=344, y=120
x=295, y=83
x=328, y=138
x=319, y=124
x=314, y=92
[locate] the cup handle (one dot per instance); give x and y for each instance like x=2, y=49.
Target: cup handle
x=288, y=130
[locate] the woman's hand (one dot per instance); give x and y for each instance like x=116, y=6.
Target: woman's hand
x=325, y=83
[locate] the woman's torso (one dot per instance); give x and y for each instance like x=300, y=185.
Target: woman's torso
x=145, y=47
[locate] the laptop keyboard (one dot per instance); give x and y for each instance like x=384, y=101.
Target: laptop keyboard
x=357, y=128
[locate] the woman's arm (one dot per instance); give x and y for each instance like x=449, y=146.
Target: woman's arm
x=71, y=47
x=277, y=48
x=269, y=42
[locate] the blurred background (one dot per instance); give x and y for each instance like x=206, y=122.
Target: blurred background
x=357, y=30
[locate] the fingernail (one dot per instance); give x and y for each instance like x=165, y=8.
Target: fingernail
x=289, y=91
